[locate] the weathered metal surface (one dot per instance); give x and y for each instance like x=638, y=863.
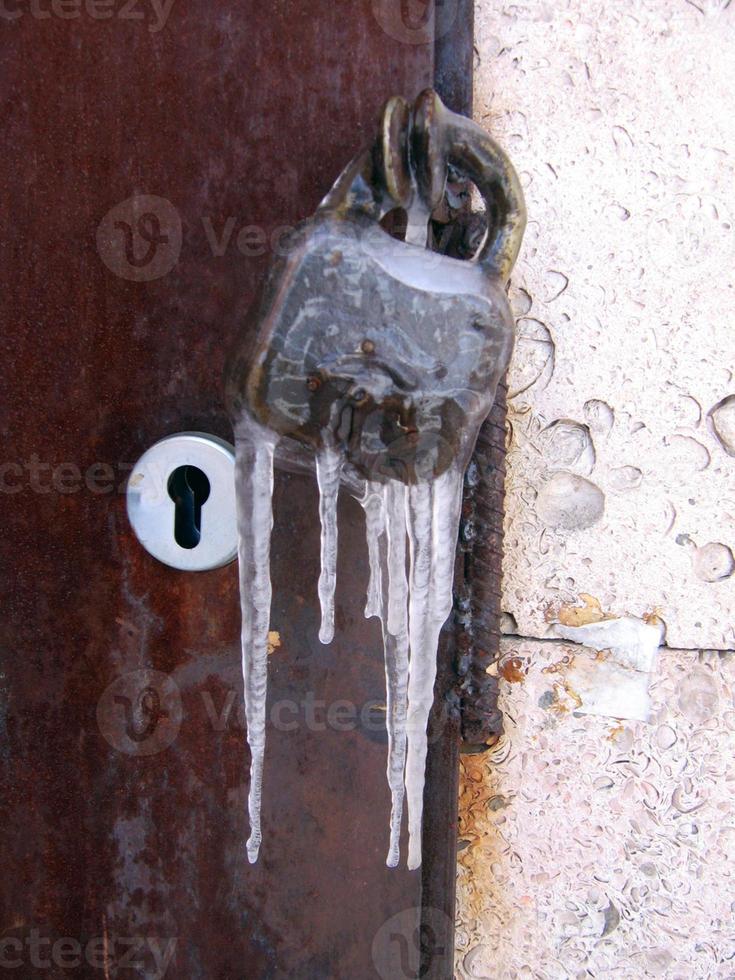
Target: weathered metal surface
x=482, y=544
x=124, y=762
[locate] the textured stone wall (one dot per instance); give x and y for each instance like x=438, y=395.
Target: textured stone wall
x=591, y=845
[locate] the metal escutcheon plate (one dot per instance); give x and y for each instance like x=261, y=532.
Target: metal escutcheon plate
x=152, y=510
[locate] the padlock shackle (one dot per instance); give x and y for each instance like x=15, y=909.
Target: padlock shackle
x=440, y=137
x=378, y=179
x=411, y=155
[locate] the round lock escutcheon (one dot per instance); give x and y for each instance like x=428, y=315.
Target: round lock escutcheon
x=181, y=501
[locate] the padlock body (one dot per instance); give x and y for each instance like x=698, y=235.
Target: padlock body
x=389, y=351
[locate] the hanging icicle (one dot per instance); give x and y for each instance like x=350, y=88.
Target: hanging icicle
x=254, y=480
x=373, y=505
x=394, y=619
x=418, y=523
x=328, y=469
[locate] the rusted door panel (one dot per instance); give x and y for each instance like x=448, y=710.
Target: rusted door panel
x=237, y=114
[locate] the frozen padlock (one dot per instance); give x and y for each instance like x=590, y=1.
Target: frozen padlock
x=377, y=360
x=382, y=348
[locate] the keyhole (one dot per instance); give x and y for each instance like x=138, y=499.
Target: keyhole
x=188, y=487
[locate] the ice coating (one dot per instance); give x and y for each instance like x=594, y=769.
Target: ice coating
x=254, y=450
x=432, y=519
x=420, y=671
x=414, y=526
x=412, y=612
x=328, y=469
x=395, y=651
x=381, y=359
x=372, y=504
x=417, y=224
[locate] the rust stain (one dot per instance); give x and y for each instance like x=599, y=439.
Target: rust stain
x=614, y=732
x=274, y=641
x=560, y=665
x=511, y=670
x=568, y=615
x=480, y=832
x=573, y=694
x=653, y=618
x=562, y=694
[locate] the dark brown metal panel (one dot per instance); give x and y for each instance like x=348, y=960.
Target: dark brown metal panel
x=237, y=114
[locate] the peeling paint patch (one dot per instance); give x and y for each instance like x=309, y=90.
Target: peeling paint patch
x=274, y=641
x=615, y=682
x=631, y=642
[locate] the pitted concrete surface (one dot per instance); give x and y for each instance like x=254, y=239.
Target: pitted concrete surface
x=594, y=844
x=592, y=847
x=621, y=471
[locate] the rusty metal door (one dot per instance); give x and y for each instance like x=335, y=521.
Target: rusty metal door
x=198, y=130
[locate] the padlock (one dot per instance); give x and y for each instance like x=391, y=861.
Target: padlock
x=387, y=351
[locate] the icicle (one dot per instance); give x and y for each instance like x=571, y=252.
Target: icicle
x=254, y=491
x=445, y=529
x=422, y=664
x=372, y=504
x=394, y=617
x=432, y=520
x=328, y=470
x=412, y=611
